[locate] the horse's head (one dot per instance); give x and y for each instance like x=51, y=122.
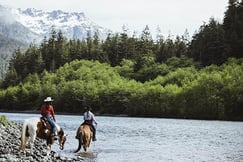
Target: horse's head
x=62, y=139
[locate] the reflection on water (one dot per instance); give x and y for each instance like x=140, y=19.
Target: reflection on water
x=88, y=155
x=124, y=139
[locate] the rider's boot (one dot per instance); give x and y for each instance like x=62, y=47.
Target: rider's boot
x=94, y=135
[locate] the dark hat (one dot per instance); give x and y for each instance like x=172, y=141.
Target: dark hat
x=87, y=108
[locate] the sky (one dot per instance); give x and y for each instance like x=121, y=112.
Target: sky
x=172, y=17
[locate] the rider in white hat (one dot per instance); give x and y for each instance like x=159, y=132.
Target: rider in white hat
x=47, y=111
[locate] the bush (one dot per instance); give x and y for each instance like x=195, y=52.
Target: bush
x=4, y=121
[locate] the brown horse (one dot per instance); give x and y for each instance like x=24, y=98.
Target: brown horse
x=35, y=127
x=84, y=135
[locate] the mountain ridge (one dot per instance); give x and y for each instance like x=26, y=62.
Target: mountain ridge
x=33, y=25
x=40, y=23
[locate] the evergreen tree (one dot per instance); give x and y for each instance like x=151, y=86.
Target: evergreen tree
x=166, y=49
x=180, y=47
x=16, y=65
x=144, y=49
x=97, y=53
x=61, y=54
x=146, y=41
x=89, y=45
x=34, y=61
x=159, y=49
x=110, y=48
x=73, y=50
x=207, y=46
x=123, y=44
x=233, y=26
x=52, y=51
x=44, y=52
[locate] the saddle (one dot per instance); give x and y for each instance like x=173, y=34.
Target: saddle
x=89, y=124
x=43, y=128
x=45, y=123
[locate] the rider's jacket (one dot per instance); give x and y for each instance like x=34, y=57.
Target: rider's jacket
x=89, y=117
x=48, y=110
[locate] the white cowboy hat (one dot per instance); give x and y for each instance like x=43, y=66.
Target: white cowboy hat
x=48, y=99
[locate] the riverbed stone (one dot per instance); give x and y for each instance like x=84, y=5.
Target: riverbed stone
x=10, y=142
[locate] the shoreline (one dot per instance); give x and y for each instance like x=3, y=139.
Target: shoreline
x=61, y=113
x=10, y=142
x=114, y=115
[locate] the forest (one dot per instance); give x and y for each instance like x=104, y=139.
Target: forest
x=198, y=78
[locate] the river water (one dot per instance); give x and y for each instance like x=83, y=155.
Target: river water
x=124, y=139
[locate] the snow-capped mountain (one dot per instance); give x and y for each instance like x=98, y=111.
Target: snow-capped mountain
x=34, y=25
x=12, y=29
x=19, y=28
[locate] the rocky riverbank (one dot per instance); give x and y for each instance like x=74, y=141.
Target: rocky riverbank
x=10, y=134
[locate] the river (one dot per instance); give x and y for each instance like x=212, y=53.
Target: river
x=125, y=139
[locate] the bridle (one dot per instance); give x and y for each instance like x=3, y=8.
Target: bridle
x=61, y=140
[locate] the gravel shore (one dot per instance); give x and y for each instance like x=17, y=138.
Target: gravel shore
x=10, y=142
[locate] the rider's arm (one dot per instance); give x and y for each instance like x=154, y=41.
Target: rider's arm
x=93, y=118
x=52, y=113
x=85, y=116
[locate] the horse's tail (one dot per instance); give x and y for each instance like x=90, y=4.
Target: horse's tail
x=23, y=136
x=80, y=141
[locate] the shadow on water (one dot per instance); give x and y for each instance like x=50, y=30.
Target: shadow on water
x=92, y=155
x=89, y=156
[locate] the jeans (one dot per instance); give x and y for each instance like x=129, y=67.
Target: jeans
x=52, y=123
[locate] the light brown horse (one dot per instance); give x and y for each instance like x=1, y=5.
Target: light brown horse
x=84, y=136
x=35, y=127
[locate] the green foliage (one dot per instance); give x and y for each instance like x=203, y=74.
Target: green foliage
x=214, y=92
x=4, y=121
x=179, y=62
x=9, y=98
x=126, y=69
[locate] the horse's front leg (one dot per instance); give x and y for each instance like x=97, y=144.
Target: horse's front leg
x=48, y=149
x=48, y=144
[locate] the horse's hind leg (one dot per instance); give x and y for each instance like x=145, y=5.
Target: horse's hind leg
x=85, y=148
x=32, y=140
x=88, y=143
